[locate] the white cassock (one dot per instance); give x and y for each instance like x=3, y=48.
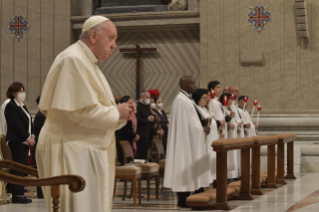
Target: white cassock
x=212, y=136
x=186, y=162
x=246, y=120
x=78, y=135
x=219, y=115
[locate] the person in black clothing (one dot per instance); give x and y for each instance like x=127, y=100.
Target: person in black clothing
x=38, y=124
x=144, y=128
x=127, y=133
x=158, y=109
x=19, y=134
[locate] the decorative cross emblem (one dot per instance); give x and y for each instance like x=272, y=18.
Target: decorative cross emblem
x=18, y=26
x=259, y=17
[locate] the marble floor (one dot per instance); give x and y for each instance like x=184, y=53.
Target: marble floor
x=298, y=195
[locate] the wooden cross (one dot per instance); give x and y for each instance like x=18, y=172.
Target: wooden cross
x=138, y=52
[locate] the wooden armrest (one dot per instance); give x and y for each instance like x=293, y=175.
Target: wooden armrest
x=75, y=182
x=18, y=167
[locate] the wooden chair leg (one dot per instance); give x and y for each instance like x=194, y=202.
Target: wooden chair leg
x=131, y=190
x=139, y=189
x=55, y=194
x=4, y=193
x=148, y=187
x=134, y=190
x=124, y=194
x=157, y=185
x=114, y=192
x=31, y=188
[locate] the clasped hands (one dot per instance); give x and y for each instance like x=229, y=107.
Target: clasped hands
x=126, y=110
x=31, y=140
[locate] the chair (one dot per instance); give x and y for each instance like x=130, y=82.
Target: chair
x=5, y=152
x=129, y=173
x=160, y=156
x=75, y=182
x=149, y=170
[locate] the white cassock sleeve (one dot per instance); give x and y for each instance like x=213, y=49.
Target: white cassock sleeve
x=97, y=117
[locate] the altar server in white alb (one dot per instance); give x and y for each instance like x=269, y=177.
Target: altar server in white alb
x=249, y=126
x=78, y=135
x=186, y=162
x=200, y=98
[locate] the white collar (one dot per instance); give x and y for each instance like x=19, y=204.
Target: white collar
x=22, y=104
x=89, y=52
x=184, y=92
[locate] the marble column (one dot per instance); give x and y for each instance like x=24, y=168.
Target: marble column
x=85, y=7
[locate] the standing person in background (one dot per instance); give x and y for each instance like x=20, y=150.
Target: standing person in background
x=144, y=121
x=127, y=133
x=19, y=134
x=158, y=109
x=39, y=121
x=157, y=133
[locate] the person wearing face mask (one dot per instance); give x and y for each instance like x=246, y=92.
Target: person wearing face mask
x=144, y=125
x=158, y=109
x=19, y=134
x=157, y=133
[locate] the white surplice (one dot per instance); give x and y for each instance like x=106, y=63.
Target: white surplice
x=186, y=162
x=211, y=137
x=219, y=115
x=78, y=135
x=246, y=120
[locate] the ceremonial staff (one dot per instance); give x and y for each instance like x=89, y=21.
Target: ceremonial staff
x=212, y=96
x=242, y=114
x=225, y=105
x=259, y=109
x=233, y=110
x=252, y=113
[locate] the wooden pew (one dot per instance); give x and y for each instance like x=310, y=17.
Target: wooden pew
x=222, y=146
x=76, y=183
x=282, y=140
x=258, y=142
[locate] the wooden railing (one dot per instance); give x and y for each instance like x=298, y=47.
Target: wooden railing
x=222, y=146
x=258, y=142
x=76, y=183
x=282, y=139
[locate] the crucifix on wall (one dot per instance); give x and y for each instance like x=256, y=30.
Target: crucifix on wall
x=138, y=50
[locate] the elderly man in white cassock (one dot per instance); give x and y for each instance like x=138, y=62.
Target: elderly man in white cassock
x=78, y=135
x=186, y=168
x=250, y=128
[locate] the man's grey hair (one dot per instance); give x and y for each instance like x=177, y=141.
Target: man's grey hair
x=142, y=94
x=86, y=35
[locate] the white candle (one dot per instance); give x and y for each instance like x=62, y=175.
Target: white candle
x=259, y=109
x=252, y=113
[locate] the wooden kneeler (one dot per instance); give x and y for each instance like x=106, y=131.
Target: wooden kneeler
x=282, y=140
x=75, y=182
x=222, y=146
x=258, y=142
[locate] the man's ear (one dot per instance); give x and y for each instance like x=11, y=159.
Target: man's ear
x=93, y=36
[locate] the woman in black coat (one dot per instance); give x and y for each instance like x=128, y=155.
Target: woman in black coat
x=19, y=134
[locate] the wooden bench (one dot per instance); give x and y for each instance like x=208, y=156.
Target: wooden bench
x=224, y=192
x=259, y=141
x=76, y=183
x=282, y=140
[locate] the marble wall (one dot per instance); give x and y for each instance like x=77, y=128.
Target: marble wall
x=289, y=80
x=29, y=59
x=177, y=55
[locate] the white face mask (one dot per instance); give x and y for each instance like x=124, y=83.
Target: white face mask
x=21, y=97
x=153, y=105
x=147, y=101
x=160, y=105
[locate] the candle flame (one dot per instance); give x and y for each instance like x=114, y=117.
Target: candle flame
x=259, y=108
x=255, y=103
x=233, y=97
x=212, y=94
x=245, y=99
